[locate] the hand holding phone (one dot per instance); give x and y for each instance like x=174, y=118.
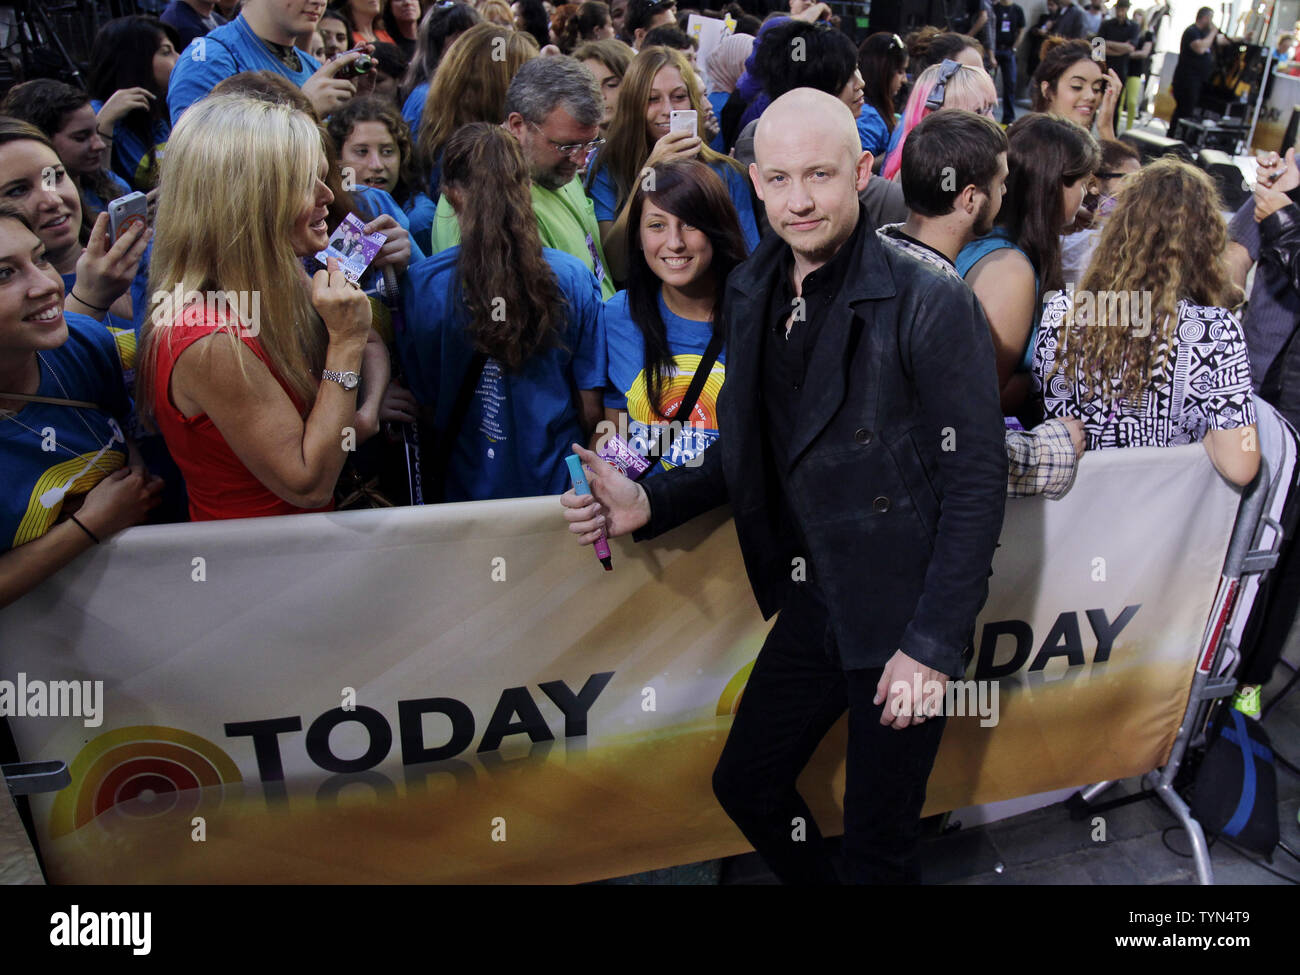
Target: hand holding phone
x=126, y=212
x=684, y=121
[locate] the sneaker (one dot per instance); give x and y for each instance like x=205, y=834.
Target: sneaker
x=1246, y=700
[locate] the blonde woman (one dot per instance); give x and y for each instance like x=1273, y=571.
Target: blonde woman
x=255, y=407
x=1166, y=365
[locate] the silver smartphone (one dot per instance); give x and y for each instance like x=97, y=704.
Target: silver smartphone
x=125, y=212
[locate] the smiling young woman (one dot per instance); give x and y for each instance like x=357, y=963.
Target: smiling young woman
x=57, y=504
x=1071, y=84
x=96, y=277
x=659, y=82
x=660, y=332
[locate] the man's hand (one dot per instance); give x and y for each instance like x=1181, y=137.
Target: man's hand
x=324, y=90
x=897, y=688
x=616, y=506
x=1077, y=438
x=1268, y=201
x=1279, y=174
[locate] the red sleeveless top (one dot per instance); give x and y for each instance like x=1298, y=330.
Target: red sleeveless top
x=219, y=484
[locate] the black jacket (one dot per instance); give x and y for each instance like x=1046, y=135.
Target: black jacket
x=898, y=466
x=1279, y=244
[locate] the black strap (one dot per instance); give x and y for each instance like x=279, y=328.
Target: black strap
x=667, y=434
x=445, y=441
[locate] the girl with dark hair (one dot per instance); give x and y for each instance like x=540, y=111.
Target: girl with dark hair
x=1071, y=84
x=659, y=81
x=133, y=53
x=666, y=327
x=589, y=22
x=1049, y=162
x=440, y=29
x=402, y=18
x=517, y=324
x=530, y=18
x=882, y=59
x=371, y=138
x=365, y=19
x=64, y=114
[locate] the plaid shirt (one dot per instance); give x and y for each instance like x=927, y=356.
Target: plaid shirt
x=1040, y=461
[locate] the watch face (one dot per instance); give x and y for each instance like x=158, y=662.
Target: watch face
x=350, y=380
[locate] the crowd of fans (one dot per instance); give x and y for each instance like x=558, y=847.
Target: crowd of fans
x=557, y=249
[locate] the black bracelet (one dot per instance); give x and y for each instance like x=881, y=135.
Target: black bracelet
x=77, y=520
x=86, y=303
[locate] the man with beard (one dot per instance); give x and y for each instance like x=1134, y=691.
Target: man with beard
x=954, y=173
x=553, y=107
x=953, y=180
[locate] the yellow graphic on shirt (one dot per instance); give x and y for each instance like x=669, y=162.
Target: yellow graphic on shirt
x=124, y=339
x=39, y=519
x=699, y=430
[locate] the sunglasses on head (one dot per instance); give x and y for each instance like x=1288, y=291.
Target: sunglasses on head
x=935, y=99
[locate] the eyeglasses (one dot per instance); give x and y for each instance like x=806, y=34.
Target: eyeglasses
x=935, y=99
x=568, y=149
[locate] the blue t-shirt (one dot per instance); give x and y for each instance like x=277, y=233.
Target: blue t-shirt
x=121, y=330
x=131, y=153
x=413, y=109
x=229, y=50
x=995, y=240
x=43, y=446
x=420, y=211
x=626, y=388
x=519, y=427
x=605, y=198
x=717, y=100
x=872, y=131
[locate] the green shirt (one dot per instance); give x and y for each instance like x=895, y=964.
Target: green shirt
x=566, y=221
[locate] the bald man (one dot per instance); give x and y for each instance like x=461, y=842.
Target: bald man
x=861, y=449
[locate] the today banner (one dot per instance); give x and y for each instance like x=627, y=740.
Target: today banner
x=460, y=694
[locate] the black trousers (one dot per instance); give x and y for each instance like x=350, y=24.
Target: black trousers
x=798, y=689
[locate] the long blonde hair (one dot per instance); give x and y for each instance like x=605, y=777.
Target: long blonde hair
x=237, y=175
x=1165, y=239
x=470, y=85
x=629, y=143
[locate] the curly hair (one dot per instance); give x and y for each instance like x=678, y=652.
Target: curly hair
x=1166, y=239
x=371, y=108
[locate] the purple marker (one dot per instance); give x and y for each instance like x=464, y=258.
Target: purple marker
x=580, y=488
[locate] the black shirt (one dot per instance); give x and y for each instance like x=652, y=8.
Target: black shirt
x=1008, y=22
x=1193, y=68
x=785, y=361
x=1121, y=33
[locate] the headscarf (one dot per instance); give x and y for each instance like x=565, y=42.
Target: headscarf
x=727, y=61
